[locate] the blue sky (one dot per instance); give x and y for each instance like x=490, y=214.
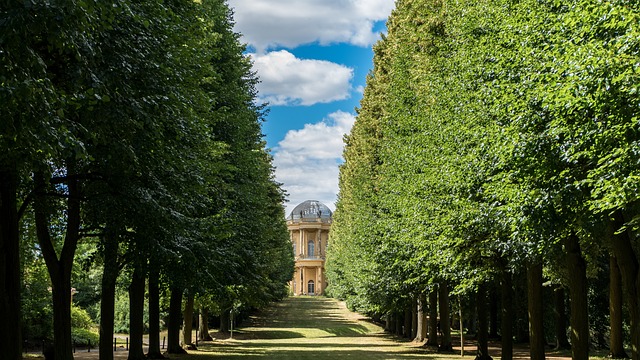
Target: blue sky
x=312, y=57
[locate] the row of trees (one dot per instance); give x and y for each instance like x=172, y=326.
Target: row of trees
x=130, y=129
x=496, y=142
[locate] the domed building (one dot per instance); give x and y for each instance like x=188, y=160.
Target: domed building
x=309, y=225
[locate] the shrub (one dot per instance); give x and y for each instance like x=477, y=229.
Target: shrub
x=80, y=318
x=82, y=337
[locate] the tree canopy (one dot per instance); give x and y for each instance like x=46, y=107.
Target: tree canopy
x=131, y=130
x=492, y=138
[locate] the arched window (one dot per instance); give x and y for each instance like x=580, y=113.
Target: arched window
x=311, y=288
x=310, y=248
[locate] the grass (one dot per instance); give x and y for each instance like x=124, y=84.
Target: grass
x=304, y=328
x=320, y=328
x=312, y=328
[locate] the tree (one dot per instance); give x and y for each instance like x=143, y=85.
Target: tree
x=35, y=128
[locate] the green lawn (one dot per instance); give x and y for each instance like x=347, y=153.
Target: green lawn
x=312, y=328
x=321, y=328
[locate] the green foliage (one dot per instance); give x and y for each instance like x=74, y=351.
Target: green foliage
x=37, y=310
x=147, y=111
x=84, y=337
x=82, y=328
x=121, y=314
x=488, y=133
x=80, y=318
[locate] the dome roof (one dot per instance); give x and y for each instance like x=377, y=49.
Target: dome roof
x=310, y=209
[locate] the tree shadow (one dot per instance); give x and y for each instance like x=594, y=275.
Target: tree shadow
x=311, y=328
x=303, y=351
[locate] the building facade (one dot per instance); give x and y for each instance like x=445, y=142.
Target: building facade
x=309, y=224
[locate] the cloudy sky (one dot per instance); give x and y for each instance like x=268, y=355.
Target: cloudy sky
x=312, y=57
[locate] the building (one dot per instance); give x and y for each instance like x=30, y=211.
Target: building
x=309, y=225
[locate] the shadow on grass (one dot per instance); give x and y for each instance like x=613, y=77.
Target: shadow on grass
x=307, y=351
x=267, y=345
x=307, y=313
x=309, y=328
x=274, y=334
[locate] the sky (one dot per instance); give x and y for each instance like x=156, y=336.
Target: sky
x=312, y=58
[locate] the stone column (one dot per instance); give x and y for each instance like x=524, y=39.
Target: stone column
x=319, y=282
x=292, y=242
x=302, y=288
x=294, y=283
x=303, y=249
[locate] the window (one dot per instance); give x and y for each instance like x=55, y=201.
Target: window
x=311, y=288
x=310, y=248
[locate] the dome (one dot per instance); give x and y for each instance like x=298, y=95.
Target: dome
x=310, y=209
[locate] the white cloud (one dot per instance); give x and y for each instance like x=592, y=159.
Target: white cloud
x=289, y=23
x=287, y=80
x=307, y=160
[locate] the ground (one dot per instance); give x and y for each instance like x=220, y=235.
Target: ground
x=318, y=328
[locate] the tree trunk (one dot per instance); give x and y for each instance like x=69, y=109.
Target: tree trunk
x=521, y=307
x=561, y=320
x=473, y=326
x=414, y=317
x=399, y=322
x=536, y=325
x=204, y=324
x=433, y=317
x=483, y=324
x=10, y=307
x=577, y=271
x=421, y=330
x=628, y=265
x=59, y=268
x=616, y=347
x=224, y=320
x=173, y=328
x=136, y=311
x=187, y=333
x=61, y=295
x=154, y=315
x=110, y=272
x=445, y=326
x=406, y=330
x=506, y=316
x=493, y=313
